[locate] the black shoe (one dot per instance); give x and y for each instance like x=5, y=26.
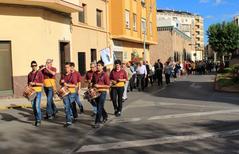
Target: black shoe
x=97, y=125
x=38, y=123
x=81, y=110
x=54, y=115
x=116, y=112
x=49, y=117
x=93, y=114
x=67, y=124
x=105, y=120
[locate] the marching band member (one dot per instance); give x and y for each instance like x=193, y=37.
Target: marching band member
x=88, y=79
x=69, y=80
x=100, y=80
x=49, y=73
x=35, y=79
x=77, y=96
x=118, y=77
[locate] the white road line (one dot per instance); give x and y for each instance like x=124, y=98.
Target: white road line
x=172, y=116
x=151, y=104
x=192, y=114
x=156, y=141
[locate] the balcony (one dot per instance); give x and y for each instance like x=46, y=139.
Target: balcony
x=58, y=5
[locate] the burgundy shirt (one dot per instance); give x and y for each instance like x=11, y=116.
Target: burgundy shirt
x=89, y=75
x=78, y=76
x=100, y=78
x=71, y=78
x=35, y=77
x=116, y=75
x=47, y=74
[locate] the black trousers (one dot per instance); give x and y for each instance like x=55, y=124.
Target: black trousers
x=159, y=76
x=140, y=82
x=132, y=82
x=117, y=97
x=147, y=80
x=167, y=76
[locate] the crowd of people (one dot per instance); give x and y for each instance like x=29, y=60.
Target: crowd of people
x=123, y=78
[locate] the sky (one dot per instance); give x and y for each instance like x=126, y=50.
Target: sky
x=213, y=11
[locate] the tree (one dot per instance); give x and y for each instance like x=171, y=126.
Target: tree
x=224, y=37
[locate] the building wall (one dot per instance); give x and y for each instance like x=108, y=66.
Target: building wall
x=87, y=36
x=131, y=40
x=117, y=21
x=34, y=34
x=169, y=41
x=236, y=20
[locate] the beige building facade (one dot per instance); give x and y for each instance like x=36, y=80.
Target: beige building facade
x=90, y=33
x=32, y=30
x=236, y=20
x=172, y=44
x=188, y=23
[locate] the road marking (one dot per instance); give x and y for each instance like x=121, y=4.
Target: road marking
x=192, y=114
x=156, y=141
x=152, y=104
x=172, y=116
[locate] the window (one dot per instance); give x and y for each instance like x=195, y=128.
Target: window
x=127, y=19
x=135, y=22
x=151, y=28
x=93, y=55
x=143, y=3
x=99, y=18
x=118, y=55
x=143, y=25
x=82, y=14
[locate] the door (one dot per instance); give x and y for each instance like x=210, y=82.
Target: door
x=82, y=63
x=93, y=54
x=64, y=54
x=6, y=84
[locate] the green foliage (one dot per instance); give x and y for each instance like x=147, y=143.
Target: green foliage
x=224, y=37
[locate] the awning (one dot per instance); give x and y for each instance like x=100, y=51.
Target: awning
x=58, y=5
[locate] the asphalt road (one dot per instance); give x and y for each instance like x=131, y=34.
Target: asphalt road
x=187, y=116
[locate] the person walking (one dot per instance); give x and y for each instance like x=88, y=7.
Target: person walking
x=35, y=80
x=118, y=77
x=88, y=79
x=167, y=72
x=49, y=73
x=125, y=67
x=101, y=81
x=141, y=75
x=158, y=66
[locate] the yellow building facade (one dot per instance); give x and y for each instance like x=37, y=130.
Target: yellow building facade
x=32, y=30
x=128, y=20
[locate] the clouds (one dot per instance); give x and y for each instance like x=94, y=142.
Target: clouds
x=215, y=2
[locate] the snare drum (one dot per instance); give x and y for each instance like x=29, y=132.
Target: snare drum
x=29, y=93
x=91, y=94
x=63, y=92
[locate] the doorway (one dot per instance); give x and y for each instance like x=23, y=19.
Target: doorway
x=64, y=54
x=6, y=83
x=82, y=63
